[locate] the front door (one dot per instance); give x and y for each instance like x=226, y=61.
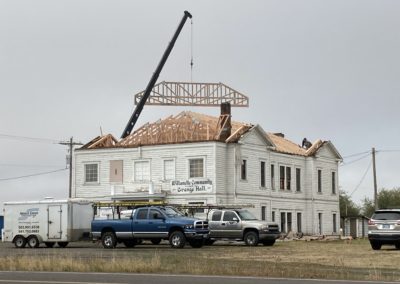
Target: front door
x=54, y=221
x=231, y=224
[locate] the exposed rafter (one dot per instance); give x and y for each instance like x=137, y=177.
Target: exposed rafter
x=193, y=94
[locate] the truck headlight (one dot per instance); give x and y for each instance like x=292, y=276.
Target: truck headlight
x=189, y=226
x=264, y=228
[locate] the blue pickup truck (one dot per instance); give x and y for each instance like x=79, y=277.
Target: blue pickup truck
x=153, y=223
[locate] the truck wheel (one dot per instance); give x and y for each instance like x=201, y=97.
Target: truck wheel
x=62, y=244
x=376, y=245
x=177, y=239
x=251, y=238
x=269, y=243
x=33, y=242
x=129, y=243
x=49, y=244
x=20, y=242
x=109, y=240
x=155, y=241
x=196, y=243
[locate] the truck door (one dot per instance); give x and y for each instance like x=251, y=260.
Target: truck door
x=150, y=225
x=231, y=224
x=54, y=221
x=214, y=224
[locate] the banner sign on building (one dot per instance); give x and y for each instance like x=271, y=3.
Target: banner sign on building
x=191, y=186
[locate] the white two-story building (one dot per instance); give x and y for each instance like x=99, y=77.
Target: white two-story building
x=193, y=158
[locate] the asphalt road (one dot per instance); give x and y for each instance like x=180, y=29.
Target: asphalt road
x=123, y=278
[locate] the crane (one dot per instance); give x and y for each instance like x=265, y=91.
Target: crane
x=139, y=107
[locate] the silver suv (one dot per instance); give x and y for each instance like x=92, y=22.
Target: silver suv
x=239, y=224
x=384, y=228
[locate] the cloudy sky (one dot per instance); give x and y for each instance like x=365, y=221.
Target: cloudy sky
x=315, y=69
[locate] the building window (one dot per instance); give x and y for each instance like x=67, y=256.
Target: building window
x=334, y=223
x=262, y=177
x=243, y=170
x=288, y=177
x=333, y=183
x=196, y=168
x=91, y=173
x=141, y=170
x=273, y=216
x=169, y=169
x=320, y=223
x=283, y=222
x=263, y=213
x=298, y=179
x=116, y=170
x=319, y=181
x=282, y=177
x=299, y=229
x=272, y=177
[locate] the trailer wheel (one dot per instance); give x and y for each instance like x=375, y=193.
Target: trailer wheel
x=62, y=244
x=177, y=239
x=49, y=244
x=109, y=240
x=19, y=242
x=33, y=242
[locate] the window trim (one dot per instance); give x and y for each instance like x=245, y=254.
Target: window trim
x=163, y=168
x=84, y=173
x=134, y=169
x=204, y=166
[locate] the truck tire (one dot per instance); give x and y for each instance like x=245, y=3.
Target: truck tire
x=268, y=243
x=196, y=243
x=177, y=239
x=19, y=242
x=251, y=238
x=49, y=244
x=155, y=241
x=33, y=242
x=109, y=240
x=62, y=244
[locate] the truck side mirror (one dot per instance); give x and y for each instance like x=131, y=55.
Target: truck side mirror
x=235, y=219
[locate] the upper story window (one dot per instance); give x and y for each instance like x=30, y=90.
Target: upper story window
x=298, y=179
x=272, y=177
x=285, y=177
x=319, y=180
x=141, y=170
x=243, y=170
x=92, y=173
x=282, y=177
x=169, y=169
x=262, y=174
x=196, y=168
x=288, y=177
x=333, y=182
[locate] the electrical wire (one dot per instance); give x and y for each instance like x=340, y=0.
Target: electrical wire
x=32, y=175
x=356, y=160
x=362, y=179
x=26, y=138
x=358, y=154
x=29, y=166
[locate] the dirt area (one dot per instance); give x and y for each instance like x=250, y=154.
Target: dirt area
x=330, y=259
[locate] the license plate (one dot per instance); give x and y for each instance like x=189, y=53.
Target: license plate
x=385, y=226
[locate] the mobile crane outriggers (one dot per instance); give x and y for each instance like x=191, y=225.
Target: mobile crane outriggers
x=136, y=113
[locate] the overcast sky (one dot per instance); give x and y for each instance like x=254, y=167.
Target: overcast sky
x=315, y=69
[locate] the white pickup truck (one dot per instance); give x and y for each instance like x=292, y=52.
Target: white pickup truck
x=241, y=225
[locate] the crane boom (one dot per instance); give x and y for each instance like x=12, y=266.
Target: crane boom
x=139, y=107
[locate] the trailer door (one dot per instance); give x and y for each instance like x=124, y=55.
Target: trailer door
x=54, y=221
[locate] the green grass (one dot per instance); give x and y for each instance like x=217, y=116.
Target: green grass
x=294, y=259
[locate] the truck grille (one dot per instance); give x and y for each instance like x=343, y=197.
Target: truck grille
x=273, y=228
x=201, y=224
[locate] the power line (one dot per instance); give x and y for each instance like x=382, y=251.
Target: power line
x=362, y=179
x=29, y=165
x=26, y=138
x=358, y=154
x=356, y=160
x=32, y=175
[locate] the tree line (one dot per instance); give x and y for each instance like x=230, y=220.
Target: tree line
x=387, y=198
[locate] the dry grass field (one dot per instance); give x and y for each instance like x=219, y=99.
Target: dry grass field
x=297, y=259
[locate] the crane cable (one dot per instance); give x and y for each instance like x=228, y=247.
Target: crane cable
x=191, y=50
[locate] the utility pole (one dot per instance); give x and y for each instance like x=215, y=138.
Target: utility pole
x=71, y=145
x=375, y=183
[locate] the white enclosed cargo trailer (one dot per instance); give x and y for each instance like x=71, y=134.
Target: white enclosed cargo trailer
x=48, y=221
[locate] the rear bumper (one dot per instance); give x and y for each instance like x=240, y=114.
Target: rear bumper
x=386, y=238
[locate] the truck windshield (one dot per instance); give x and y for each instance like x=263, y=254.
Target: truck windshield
x=246, y=215
x=171, y=212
